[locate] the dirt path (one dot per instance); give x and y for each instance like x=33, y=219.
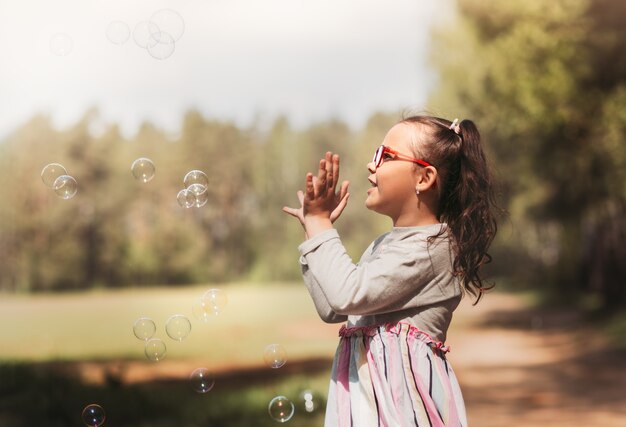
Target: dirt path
x=521, y=367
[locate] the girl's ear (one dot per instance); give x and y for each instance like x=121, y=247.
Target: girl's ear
x=426, y=179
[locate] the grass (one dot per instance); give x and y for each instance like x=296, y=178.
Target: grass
x=99, y=325
x=34, y=395
x=49, y=341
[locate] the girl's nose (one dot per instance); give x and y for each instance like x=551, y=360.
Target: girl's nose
x=371, y=167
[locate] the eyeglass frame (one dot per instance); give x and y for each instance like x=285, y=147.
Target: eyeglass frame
x=383, y=149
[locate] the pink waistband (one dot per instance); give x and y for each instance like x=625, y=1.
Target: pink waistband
x=395, y=328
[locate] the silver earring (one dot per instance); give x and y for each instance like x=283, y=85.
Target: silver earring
x=417, y=192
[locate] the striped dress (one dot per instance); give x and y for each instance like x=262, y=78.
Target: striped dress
x=392, y=376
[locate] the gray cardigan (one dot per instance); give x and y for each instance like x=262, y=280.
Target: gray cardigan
x=400, y=277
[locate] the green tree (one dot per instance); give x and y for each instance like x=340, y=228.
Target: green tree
x=118, y=231
x=534, y=76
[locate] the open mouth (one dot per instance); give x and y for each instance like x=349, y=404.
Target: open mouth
x=372, y=182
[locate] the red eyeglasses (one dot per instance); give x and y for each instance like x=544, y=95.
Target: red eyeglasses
x=379, y=157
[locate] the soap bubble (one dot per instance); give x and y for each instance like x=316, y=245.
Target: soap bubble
x=143, y=169
x=51, y=172
x=164, y=46
x=201, y=199
x=211, y=304
x=202, y=380
x=170, y=22
x=200, y=194
x=281, y=409
x=65, y=186
x=203, y=310
x=217, y=300
x=196, y=177
x=275, y=356
x=144, y=328
x=155, y=349
x=93, y=415
x=61, y=44
x=142, y=34
x=178, y=327
x=118, y=32
x=186, y=199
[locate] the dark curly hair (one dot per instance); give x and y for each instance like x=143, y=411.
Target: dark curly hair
x=466, y=197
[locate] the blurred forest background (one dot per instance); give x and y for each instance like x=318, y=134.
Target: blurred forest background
x=544, y=81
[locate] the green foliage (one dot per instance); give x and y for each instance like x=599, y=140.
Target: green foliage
x=117, y=231
x=544, y=83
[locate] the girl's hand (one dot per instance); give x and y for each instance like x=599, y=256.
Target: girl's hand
x=329, y=169
x=319, y=192
x=319, y=196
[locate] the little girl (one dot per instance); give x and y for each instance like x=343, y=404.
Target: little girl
x=431, y=178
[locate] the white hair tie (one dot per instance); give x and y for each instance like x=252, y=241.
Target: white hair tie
x=455, y=126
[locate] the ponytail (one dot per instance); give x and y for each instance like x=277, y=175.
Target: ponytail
x=466, y=197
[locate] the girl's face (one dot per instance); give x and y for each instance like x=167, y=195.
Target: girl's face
x=394, y=182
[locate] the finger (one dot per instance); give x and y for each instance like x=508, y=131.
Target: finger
x=330, y=181
x=343, y=202
x=335, y=162
x=308, y=186
x=290, y=211
x=296, y=213
x=339, y=208
x=344, y=189
x=321, y=176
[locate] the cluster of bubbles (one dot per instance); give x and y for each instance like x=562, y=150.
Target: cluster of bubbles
x=196, y=191
x=177, y=328
x=202, y=380
x=196, y=182
x=154, y=348
x=55, y=176
x=93, y=415
x=143, y=169
x=158, y=35
x=209, y=305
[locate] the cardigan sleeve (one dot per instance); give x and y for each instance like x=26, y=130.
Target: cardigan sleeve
x=324, y=310
x=390, y=280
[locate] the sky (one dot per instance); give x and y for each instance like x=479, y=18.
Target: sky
x=248, y=61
